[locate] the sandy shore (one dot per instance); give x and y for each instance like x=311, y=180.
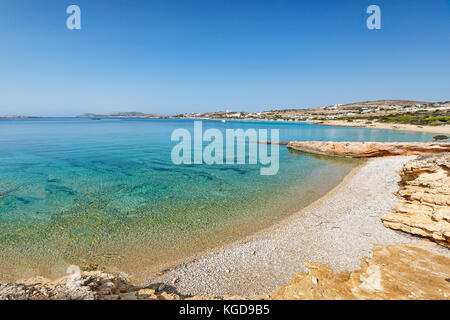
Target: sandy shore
x=392, y=126
x=337, y=230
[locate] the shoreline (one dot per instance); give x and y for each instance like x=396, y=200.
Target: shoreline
x=444, y=129
x=144, y=277
x=339, y=261
x=338, y=229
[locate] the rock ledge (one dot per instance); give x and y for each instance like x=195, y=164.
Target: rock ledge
x=369, y=149
x=424, y=207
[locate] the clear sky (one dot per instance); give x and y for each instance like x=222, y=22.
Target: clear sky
x=191, y=56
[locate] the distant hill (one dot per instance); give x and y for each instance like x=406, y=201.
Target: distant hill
x=364, y=109
x=357, y=105
x=387, y=102
x=121, y=115
x=13, y=116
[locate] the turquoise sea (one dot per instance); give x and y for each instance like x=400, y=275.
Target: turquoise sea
x=74, y=191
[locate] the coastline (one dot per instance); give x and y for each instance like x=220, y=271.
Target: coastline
x=338, y=230
x=339, y=241
x=444, y=129
x=144, y=275
x=335, y=248
x=333, y=230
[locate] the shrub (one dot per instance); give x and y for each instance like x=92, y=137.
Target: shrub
x=440, y=137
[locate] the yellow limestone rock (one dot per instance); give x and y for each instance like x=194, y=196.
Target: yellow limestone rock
x=394, y=272
x=424, y=207
x=369, y=149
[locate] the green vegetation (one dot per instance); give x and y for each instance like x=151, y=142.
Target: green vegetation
x=424, y=117
x=416, y=119
x=421, y=117
x=440, y=137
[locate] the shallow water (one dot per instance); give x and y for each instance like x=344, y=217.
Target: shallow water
x=77, y=191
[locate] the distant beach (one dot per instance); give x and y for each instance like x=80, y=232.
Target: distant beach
x=443, y=129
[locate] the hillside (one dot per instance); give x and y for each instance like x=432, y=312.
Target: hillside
x=417, y=112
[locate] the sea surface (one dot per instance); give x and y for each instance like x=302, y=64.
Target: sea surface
x=77, y=191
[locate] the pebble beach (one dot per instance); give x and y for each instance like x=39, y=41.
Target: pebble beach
x=338, y=230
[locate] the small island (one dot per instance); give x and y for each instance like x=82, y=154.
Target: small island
x=14, y=116
x=121, y=115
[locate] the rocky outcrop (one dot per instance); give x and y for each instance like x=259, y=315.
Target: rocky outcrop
x=369, y=149
x=92, y=285
x=394, y=272
x=424, y=207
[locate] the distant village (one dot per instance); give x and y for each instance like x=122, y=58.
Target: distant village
x=370, y=109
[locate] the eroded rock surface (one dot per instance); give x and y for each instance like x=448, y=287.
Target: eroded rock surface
x=369, y=149
x=424, y=207
x=394, y=272
x=92, y=285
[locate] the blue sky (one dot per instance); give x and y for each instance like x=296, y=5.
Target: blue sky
x=191, y=56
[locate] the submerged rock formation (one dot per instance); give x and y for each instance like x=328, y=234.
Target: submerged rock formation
x=369, y=149
x=424, y=207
